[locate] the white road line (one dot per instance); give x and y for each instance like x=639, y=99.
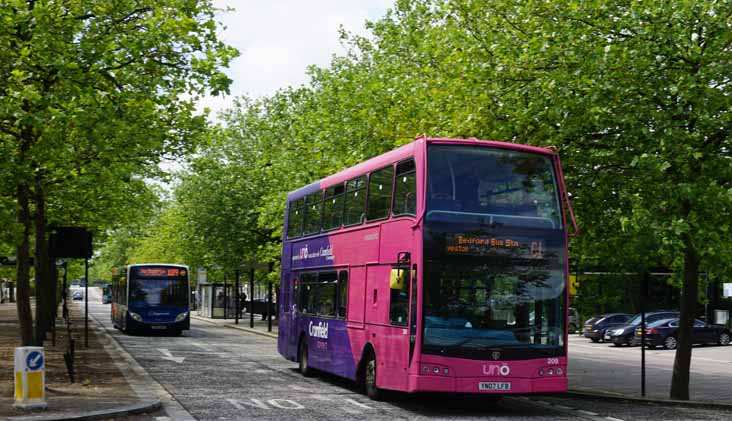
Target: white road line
x=582, y=411
x=613, y=419
x=568, y=410
x=357, y=403
x=138, y=378
x=351, y=410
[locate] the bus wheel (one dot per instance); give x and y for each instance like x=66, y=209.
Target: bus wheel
x=304, y=364
x=369, y=378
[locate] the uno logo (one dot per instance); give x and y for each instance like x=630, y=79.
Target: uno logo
x=496, y=370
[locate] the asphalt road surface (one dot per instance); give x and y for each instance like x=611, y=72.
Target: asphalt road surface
x=216, y=373
x=617, y=369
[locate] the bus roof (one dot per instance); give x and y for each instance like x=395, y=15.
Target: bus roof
x=400, y=153
x=157, y=264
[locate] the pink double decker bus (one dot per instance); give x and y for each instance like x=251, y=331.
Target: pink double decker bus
x=438, y=266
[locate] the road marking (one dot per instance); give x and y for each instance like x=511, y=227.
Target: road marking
x=137, y=377
x=567, y=410
x=280, y=403
x=357, y=403
x=582, y=411
x=168, y=356
x=242, y=404
x=255, y=403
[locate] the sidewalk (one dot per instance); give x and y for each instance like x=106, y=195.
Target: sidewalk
x=100, y=388
x=260, y=326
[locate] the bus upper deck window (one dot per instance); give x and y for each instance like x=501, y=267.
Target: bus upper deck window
x=405, y=189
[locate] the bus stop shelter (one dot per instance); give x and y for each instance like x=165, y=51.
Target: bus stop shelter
x=216, y=300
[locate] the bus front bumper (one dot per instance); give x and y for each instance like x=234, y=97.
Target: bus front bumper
x=489, y=385
x=158, y=326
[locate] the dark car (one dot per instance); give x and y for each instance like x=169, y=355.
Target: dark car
x=78, y=295
x=665, y=333
x=596, y=327
x=624, y=335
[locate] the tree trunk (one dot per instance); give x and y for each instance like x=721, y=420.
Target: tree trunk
x=689, y=296
x=44, y=285
x=25, y=316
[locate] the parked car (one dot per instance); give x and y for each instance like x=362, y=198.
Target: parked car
x=666, y=332
x=624, y=335
x=596, y=327
x=78, y=295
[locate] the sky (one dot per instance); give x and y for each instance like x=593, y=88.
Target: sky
x=279, y=39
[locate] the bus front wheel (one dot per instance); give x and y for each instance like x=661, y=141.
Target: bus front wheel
x=369, y=378
x=304, y=364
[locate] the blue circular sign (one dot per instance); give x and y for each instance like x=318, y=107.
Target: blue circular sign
x=34, y=361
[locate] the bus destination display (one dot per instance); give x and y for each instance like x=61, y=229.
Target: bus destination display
x=160, y=272
x=482, y=245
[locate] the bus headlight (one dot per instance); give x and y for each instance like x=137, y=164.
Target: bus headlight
x=181, y=317
x=135, y=316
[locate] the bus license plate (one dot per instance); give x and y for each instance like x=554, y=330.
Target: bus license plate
x=159, y=327
x=494, y=386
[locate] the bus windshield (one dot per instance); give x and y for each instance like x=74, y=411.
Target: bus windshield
x=158, y=286
x=478, y=305
x=508, y=187
x=158, y=292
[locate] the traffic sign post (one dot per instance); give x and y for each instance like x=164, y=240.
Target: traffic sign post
x=30, y=378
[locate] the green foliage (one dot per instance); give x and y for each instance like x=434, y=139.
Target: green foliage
x=94, y=95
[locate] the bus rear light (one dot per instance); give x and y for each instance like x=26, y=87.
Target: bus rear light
x=541, y=372
x=550, y=372
x=559, y=371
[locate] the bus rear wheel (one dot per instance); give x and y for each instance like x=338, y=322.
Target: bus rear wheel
x=369, y=378
x=304, y=364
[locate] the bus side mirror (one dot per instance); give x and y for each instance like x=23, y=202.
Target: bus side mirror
x=397, y=278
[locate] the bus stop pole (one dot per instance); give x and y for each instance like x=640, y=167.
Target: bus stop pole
x=226, y=300
x=237, y=297
x=269, y=306
x=251, y=298
x=86, y=303
x=644, y=295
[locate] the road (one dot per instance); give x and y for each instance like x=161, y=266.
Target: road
x=216, y=373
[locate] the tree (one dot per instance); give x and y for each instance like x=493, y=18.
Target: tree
x=96, y=89
x=635, y=95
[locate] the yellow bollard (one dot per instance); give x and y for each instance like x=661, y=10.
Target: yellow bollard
x=30, y=378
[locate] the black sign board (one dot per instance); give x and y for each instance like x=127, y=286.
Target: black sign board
x=71, y=242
